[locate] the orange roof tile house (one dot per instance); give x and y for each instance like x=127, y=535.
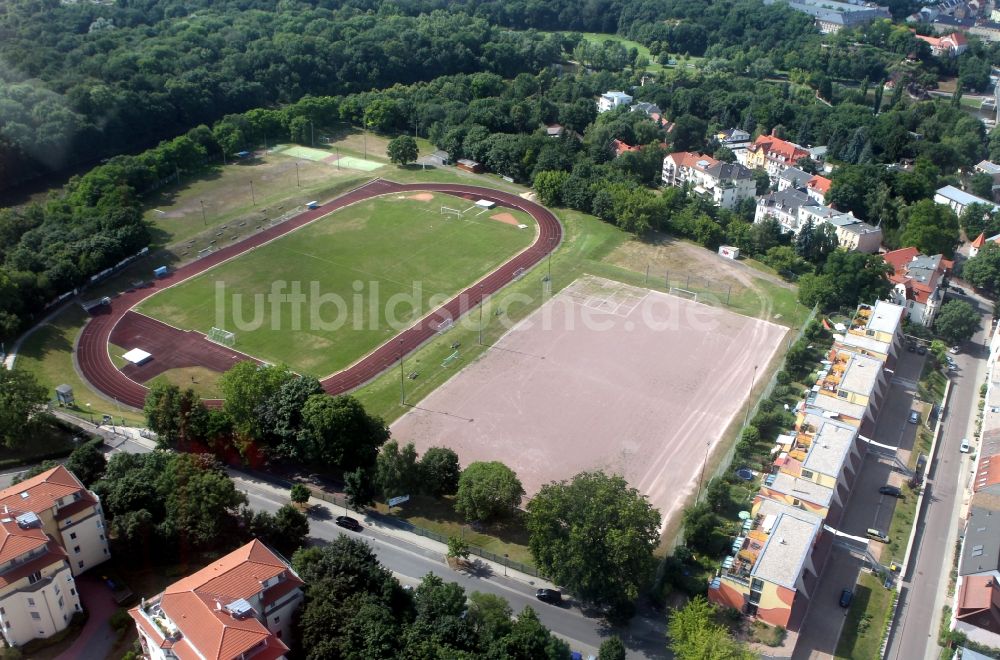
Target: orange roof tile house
x=238, y=607
x=918, y=282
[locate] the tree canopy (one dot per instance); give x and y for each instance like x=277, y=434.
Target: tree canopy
x=595, y=535
x=694, y=634
x=956, y=322
x=487, y=490
x=21, y=401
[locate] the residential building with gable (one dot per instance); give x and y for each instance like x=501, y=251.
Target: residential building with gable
x=818, y=187
x=241, y=606
x=68, y=512
x=950, y=45
x=773, y=155
x=38, y=594
x=918, y=282
x=726, y=184
x=957, y=200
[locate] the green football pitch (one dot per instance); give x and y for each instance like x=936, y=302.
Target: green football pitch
x=356, y=278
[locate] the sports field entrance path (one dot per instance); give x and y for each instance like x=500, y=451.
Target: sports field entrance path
x=94, y=359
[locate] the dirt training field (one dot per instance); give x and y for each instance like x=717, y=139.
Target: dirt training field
x=603, y=376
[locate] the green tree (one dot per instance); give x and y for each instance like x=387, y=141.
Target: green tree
x=489, y=615
x=694, y=635
x=595, y=535
x=930, y=227
x=981, y=185
x=22, y=399
x=338, y=432
x=402, y=150
x=87, y=462
x=299, y=493
x=549, y=185
x=528, y=639
x=360, y=488
x=983, y=270
x=458, y=548
x=487, y=490
x=247, y=387
x=956, y=322
x=397, y=470
x=611, y=649
x=439, y=471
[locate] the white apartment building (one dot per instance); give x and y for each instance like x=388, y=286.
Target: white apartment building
x=612, y=100
x=725, y=183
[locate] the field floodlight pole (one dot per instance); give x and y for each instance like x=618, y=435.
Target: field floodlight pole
x=552, y=246
x=253, y=198
x=297, y=184
x=203, y=220
x=746, y=417
x=402, y=385
x=480, y=314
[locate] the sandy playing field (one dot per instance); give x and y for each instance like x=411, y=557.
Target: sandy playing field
x=603, y=376
x=505, y=218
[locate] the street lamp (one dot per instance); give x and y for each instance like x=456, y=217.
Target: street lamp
x=253, y=199
x=552, y=246
x=90, y=412
x=506, y=560
x=203, y=220
x=297, y=184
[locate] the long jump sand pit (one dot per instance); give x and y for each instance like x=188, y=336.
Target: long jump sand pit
x=602, y=376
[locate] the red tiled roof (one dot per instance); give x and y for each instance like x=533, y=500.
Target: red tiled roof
x=692, y=159
x=53, y=554
x=788, y=151
x=15, y=540
x=820, y=183
x=987, y=472
x=979, y=241
x=979, y=599
x=196, y=605
x=622, y=147
x=915, y=290
x=42, y=491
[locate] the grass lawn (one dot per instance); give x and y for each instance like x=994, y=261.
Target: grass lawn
x=861, y=635
x=438, y=515
x=367, y=257
x=899, y=529
x=48, y=354
x=586, y=242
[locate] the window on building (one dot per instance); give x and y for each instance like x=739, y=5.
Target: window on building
x=754, y=597
x=36, y=616
x=56, y=589
x=80, y=564
x=757, y=584
x=277, y=619
x=31, y=601
x=76, y=549
x=72, y=592
x=807, y=474
x=61, y=605
x=34, y=577
x=72, y=535
x=102, y=537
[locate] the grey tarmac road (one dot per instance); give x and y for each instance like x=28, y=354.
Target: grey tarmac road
x=923, y=590
x=411, y=562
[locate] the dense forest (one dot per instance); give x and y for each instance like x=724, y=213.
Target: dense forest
x=82, y=81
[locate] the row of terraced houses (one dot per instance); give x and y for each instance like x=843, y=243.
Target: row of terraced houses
x=778, y=554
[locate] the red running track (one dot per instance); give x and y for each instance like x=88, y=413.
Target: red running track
x=97, y=368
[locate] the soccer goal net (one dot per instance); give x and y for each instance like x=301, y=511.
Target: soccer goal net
x=447, y=210
x=684, y=293
x=220, y=336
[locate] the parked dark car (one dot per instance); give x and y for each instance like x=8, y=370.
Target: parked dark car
x=846, y=596
x=890, y=490
x=921, y=350
x=911, y=348
x=914, y=417
x=550, y=596
x=348, y=523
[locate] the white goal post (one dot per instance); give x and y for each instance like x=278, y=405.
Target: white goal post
x=447, y=210
x=683, y=293
x=220, y=336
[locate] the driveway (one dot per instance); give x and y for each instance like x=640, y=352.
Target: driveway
x=97, y=638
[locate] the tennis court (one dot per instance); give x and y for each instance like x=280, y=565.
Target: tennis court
x=353, y=163
x=306, y=153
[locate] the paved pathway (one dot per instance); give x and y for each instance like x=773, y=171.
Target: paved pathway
x=97, y=638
